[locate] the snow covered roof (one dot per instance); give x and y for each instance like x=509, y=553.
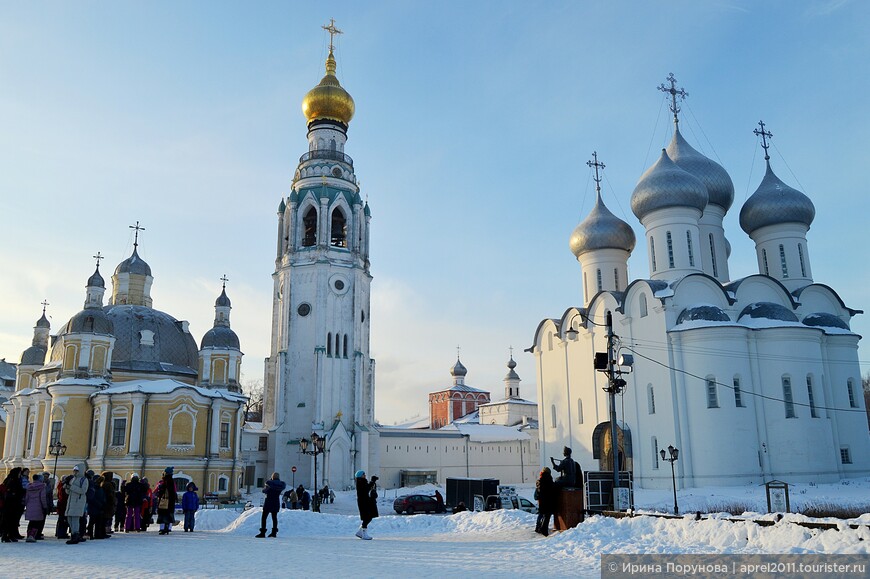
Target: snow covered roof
x=509, y=401
x=462, y=388
x=413, y=423
x=470, y=418
x=166, y=386
x=488, y=432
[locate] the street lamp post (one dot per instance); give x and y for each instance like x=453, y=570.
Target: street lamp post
x=612, y=368
x=318, y=443
x=671, y=457
x=56, y=450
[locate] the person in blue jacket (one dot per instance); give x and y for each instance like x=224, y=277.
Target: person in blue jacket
x=273, y=489
x=189, y=505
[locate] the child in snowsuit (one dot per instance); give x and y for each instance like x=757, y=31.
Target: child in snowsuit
x=190, y=504
x=36, y=508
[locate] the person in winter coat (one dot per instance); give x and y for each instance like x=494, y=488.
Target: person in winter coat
x=13, y=505
x=134, y=494
x=304, y=498
x=97, y=509
x=273, y=489
x=290, y=499
x=367, y=501
x=77, y=497
x=166, y=496
x=120, y=508
x=545, y=492
x=35, y=508
x=61, y=530
x=108, y=487
x=189, y=506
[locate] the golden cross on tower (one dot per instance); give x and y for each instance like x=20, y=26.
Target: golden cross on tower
x=672, y=90
x=98, y=257
x=138, y=229
x=764, y=136
x=598, y=165
x=225, y=279
x=332, y=32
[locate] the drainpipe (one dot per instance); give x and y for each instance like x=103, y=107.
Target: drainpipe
x=207, y=447
x=108, y=433
x=142, y=431
x=467, y=467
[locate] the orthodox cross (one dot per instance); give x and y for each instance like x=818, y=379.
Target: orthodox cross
x=674, y=92
x=511, y=348
x=45, y=304
x=332, y=32
x=457, y=352
x=225, y=279
x=98, y=257
x=595, y=163
x=138, y=229
x=764, y=136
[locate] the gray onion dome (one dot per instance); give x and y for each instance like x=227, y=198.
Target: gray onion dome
x=667, y=185
x=220, y=337
x=773, y=203
x=222, y=301
x=134, y=264
x=43, y=321
x=720, y=188
x=512, y=375
x=34, y=356
x=96, y=280
x=89, y=321
x=601, y=230
x=458, y=369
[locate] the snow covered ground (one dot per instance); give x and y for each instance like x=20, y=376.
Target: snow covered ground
x=495, y=544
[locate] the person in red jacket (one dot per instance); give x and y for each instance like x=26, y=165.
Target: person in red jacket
x=61, y=531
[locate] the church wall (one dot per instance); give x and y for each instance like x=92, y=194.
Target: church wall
x=850, y=426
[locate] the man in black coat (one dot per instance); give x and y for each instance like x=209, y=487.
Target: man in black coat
x=367, y=501
x=273, y=489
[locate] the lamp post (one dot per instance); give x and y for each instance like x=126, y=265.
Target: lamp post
x=56, y=450
x=612, y=368
x=318, y=443
x=671, y=457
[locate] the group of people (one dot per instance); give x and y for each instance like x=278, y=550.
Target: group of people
x=297, y=498
x=90, y=506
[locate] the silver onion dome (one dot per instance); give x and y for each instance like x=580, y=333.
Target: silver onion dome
x=458, y=369
x=96, y=280
x=222, y=300
x=43, y=321
x=220, y=337
x=134, y=264
x=601, y=230
x=667, y=185
x=773, y=203
x=720, y=188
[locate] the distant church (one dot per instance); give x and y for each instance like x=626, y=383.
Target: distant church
x=319, y=376
x=125, y=388
x=751, y=379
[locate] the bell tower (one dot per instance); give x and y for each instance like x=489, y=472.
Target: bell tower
x=319, y=376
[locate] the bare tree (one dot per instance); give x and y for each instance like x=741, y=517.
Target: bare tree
x=253, y=389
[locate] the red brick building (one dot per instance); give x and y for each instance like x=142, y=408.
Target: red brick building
x=459, y=400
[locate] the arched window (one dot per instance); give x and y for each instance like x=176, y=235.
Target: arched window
x=579, y=411
x=801, y=256
x=713, y=256
x=329, y=344
x=764, y=262
x=787, y=397
x=655, y=450
x=338, y=231
x=811, y=397
x=691, y=251
x=98, y=359
x=345, y=346
x=182, y=423
x=553, y=415
x=738, y=394
x=782, y=261
x=651, y=398
x=219, y=371
x=337, y=345
x=712, y=393
x=670, y=250
x=69, y=357
x=616, y=278
x=598, y=278
x=585, y=287
x=643, y=307
x=652, y=252
x=332, y=144
x=850, y=390
x=309, y=228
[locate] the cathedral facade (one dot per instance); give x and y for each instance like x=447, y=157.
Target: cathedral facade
x=319, y=377
x=751, y=379
x=125, y=388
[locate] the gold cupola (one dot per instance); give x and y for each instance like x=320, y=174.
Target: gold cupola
x=328, y=100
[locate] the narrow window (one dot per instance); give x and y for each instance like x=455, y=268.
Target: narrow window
x=812, y=398
x=655, y=451
x=553, y=415
x=850, y=386
x=787, y=397
x=30, y=436
x=738, y=394
x=329, y=344
x=643, y=308
x=579, y=411
x=651, y=398
x=801, y=256
x=713, y=256
x=670, y=250
x=782, y=261
x=616, y=278
x=691, y=252
x=338, y=231
x=119, y=431
x=263, y=443
x=585, y=287
x=337, y=344
x=652, y=252
x=96, y=430
x=309, y=227
x=56, y=427
x=712, y=394
x=598, y=277
x=222, y=484
x=845, y=455
x=764, y=261
x=345, y=346
x=225, y=435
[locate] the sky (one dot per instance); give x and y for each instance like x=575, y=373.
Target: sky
x=473, y=125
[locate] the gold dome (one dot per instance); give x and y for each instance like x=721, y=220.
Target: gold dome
x=328, y=100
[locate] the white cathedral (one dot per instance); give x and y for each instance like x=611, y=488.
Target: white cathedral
x=751, y=379
x=319, y=377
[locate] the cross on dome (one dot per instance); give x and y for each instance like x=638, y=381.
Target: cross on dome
x=98, y=257
x=45, y=304
x=764, y=136
x=674, y=92
x=595, y=163
x=136, y=235
x=225, y=279
x=332, y=32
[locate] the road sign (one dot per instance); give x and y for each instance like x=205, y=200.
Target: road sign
x=293, y=469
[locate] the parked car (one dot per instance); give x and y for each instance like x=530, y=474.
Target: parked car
x=410, y=504
x=496, y=502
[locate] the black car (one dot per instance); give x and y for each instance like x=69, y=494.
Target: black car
x=411, y=504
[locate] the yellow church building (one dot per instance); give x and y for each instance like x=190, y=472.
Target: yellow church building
x=126, y=389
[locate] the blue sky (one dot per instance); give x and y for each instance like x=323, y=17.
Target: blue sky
x=473, y=126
